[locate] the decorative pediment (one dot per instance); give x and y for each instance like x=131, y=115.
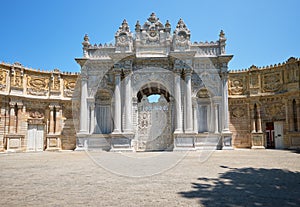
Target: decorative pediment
x=181, y=37
x=123, y=38
x=153, y=32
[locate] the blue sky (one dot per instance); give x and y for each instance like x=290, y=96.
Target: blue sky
x=48, y=34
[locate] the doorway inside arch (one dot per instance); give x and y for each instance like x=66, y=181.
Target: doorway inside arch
x=154, y=119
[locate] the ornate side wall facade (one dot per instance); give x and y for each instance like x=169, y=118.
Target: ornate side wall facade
x=36, y=109
x=264, y=106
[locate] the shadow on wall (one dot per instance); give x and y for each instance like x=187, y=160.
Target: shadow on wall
x=248, y=187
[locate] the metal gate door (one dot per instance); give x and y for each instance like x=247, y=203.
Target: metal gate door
x=154, y=125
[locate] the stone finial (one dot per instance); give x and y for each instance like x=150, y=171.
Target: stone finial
x=181, y=24
x=86, y=40
x=153, y=18
x=168, y=25
x=222, y=34
x=125, y=27
x=137, y=26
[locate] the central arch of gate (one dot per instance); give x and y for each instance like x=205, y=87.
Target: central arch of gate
x=155, y=123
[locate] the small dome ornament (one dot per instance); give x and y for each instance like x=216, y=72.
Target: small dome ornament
x=86, y=41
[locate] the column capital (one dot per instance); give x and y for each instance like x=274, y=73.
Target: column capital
x=57, y=106
x=19, y=105
x=12, y=103
x=51, y=106
x=187, y=71
x=127, y=71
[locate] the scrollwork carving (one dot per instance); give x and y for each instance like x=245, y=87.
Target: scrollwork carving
x=37, y=85
x=236, y=87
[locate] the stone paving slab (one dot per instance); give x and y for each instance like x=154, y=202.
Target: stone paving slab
x=211, y=178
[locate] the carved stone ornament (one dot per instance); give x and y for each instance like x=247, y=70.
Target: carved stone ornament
x=238, y=111
x=37, y=85
x=69, y=87
x=123, y=36
x=236, y=87
x=3, y=75
x=55, y=83
x=272, y=82
x=181, y=37
x=275, y=110
x=17, y=78
x=36, y=114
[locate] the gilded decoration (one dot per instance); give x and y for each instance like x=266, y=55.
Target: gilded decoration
x=3, y=75
x=272, y=82
x=37, y=85
x=236, y=87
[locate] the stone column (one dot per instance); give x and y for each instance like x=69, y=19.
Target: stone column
x=83, y=106
x=177, y=90
x=117, y=110
x=216, y=118
x=51, y=122
x=225, y=128
x=12, y=118
x=57, y=119
x=92, y=118
x=188, y=102
x=259, y=129
x=19, y=117
x=128, y=103
x=195, y=110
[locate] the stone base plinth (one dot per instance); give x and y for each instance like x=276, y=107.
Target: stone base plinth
x=53, y=142
x=208, y=141
x=14, y=142
x=121, y=143
x=227, y=141
x=257, y=141
x=184, y=142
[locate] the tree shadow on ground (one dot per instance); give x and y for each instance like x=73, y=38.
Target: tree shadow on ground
x=248, y=187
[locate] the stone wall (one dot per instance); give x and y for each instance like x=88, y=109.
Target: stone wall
x=258, y=96
x=37, y=102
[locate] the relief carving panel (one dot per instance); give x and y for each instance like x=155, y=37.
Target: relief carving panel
x=37, y=85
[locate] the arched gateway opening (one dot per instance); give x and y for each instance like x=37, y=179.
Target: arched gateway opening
x=154, y=131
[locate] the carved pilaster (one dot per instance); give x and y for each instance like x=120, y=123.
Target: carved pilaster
x=177, y=81
x=12, y=118
x=117, y=97
x=128, y=102
x=51, y=122
x=188, y=102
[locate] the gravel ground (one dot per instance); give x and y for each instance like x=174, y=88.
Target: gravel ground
x=208, y=178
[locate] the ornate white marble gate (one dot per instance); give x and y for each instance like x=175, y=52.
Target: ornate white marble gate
x=154, y=125
x=154, y=60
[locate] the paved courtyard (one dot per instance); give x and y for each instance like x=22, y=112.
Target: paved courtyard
x=210, y=178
